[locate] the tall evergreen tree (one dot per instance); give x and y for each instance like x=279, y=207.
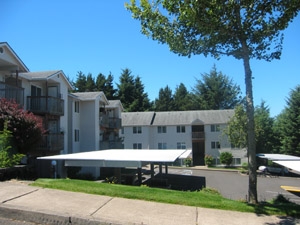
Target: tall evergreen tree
x=126, y=89
x=165, y=101
x=80, y=83
x=264, y=129
x=90, y=83
x=182, y=98
x=141, y=102
x=290, y=127
x=106, y=85
x=216, y=91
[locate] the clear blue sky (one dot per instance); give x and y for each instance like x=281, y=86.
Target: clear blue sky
x=96, y=36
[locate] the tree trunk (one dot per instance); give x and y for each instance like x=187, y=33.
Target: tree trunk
x=252, y=188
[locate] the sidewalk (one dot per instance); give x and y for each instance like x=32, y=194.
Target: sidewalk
x=47, y=206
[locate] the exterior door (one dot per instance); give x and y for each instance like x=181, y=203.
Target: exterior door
x=198, y=153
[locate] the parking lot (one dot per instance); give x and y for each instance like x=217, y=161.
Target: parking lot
x=234, y=185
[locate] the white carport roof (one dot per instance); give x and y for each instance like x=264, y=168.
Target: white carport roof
x=120, y=157
x=278, y=157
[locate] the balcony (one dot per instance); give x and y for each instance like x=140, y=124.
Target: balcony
x=51, y=143
x=198, y=135
x=45, y=105
x=12, y=93
x=110, y=122
x=117, y=144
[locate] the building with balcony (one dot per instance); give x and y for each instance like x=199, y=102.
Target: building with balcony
x=200, y=131
x=74, y=122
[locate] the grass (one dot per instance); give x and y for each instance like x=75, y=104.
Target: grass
x=207, y=198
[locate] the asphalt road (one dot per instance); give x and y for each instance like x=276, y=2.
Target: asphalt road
x=234, y=186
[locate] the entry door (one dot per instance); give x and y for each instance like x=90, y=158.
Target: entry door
x=198, y=153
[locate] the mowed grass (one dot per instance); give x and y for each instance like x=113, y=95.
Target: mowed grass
x=207, y=198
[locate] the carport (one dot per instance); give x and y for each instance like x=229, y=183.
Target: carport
x=123, y=158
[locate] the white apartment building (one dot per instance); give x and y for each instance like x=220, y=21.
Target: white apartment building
x=75, y=122
x=200, y=131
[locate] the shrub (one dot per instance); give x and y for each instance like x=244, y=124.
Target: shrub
x=188, y=161
x=7, y=157
x=226, y=158
x=26, y=128
x=208, y=160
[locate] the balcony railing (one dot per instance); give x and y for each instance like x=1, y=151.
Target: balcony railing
x=117, y=144
x=52, y=143
x=110, y=122
x=43, y=105
x=12, y=93
x=198, y=135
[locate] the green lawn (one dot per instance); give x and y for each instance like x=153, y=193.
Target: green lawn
x=206, y=198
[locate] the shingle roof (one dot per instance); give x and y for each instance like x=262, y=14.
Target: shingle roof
x=88, y=95
x=176, y=117
x=40, y=75
x=137, y=118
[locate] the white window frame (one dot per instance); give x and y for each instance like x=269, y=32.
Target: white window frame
x=180, y=129
x=76, y=135
x=215, y=128
x=215, y=145
x=181, y=145
x=161, y=129
x=137, y=130
x=162, y=145
x=137, y=145
x=76, y=107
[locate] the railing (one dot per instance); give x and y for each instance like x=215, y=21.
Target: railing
x=52, y=143
x=110, y=122
x=198, y=135
x=12, y=93
x=43, y=104
x=117, y=144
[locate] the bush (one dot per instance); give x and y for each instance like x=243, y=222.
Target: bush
x=226, y=158
x=208, y=160
x=188, y=161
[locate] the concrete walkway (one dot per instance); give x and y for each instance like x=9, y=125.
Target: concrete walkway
x=20, y=201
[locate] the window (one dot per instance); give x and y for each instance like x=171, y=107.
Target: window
x=161, y=129
x=76, y=137
x=137, y=130
x=77, y=107
x=162, y=145
x=215, y=145
x=180, y=129
x=137, y=145
x=181, y=145
x=236, y=161
x=214, y=128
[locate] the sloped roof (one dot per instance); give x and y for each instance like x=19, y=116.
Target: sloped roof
x=114, y=104
x=45, y=75
x=191, y=117
x=176, y=118
x=88, y=96
x=41, y=75
x=137, y=118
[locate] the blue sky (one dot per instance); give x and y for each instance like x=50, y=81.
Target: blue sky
x=96, y=36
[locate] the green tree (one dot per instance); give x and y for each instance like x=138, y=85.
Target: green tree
x=105, y=84
x=90, y=83
x=216, y=91
x=242, y=29
x=290, y=124
x=7, y=157
x=165, y=101
x=226, y=158
x=264, y=129
x=182, y=99
x=131, y=93
x=80, y=83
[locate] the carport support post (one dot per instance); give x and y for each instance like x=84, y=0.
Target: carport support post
x=160, y=168
x=139, y=170
x=152, y=170
x=166, y=168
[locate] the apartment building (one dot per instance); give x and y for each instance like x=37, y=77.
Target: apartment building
x=75, y=122
x=200, y=131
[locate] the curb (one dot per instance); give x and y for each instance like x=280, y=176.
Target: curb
x=43, y=218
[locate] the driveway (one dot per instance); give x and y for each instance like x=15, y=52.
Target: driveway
x=233, y=185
